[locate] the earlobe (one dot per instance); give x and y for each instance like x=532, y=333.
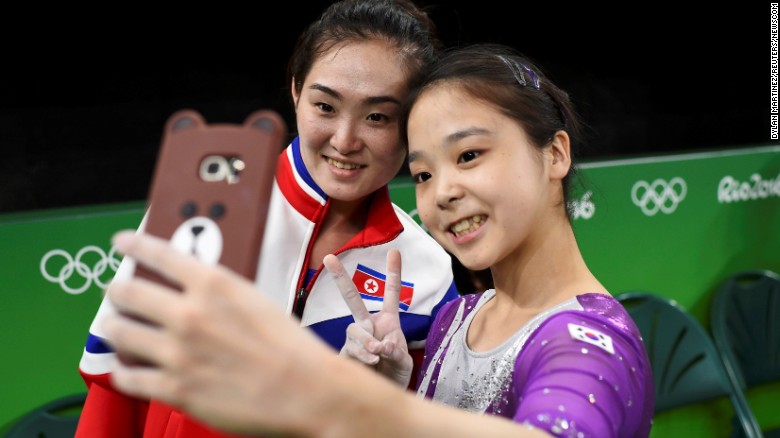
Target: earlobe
x=560, y=149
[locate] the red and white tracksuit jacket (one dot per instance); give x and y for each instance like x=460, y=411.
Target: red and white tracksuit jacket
x=297, y=208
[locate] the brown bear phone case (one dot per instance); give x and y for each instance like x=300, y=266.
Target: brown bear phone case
x=211, y=188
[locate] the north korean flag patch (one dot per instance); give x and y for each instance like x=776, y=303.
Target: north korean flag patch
x=371, y=285
x=593, y=337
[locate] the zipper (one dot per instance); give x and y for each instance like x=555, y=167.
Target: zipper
x=300, y=302
x=302, y=294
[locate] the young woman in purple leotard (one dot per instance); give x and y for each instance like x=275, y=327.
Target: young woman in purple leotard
x=490, y=149
x=546, y=352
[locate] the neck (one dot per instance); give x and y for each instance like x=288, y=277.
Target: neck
x=350, y=214
x=546, y=270
x=343, y=221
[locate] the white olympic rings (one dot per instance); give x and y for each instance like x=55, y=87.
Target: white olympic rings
x=76, y=265
x=659, y=195
x=583, y=208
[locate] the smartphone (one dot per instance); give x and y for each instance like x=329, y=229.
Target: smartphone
x=211, y=187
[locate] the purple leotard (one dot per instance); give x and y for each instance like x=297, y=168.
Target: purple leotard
x=579, y=369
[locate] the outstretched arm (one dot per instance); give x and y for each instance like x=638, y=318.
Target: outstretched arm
x=376, y=339
x=227, y=355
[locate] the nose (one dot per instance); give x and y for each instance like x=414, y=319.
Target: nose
x=346, y=139
x=448, y=192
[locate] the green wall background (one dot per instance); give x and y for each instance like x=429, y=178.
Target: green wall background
x=693, y=220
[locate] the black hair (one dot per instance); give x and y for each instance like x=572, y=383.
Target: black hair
x=512, y=83
x=398, y=21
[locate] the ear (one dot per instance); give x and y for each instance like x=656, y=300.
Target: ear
x=294, y=92
x=560, y=154
x=266, y=121
x=183, y=120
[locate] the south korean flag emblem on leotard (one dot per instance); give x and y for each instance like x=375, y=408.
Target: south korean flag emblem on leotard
x=593, y=337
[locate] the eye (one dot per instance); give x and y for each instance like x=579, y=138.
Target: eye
x=188, y=209
x=324, y=107
x=468, y=156
x=419, y=178
x=376, y=117
x=216, y=211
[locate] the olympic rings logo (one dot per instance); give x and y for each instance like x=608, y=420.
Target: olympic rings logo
x=79, y=265
x=659, y=195
x=582, y=208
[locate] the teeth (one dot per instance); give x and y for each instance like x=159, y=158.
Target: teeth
x=467, y=225
x=341, y=165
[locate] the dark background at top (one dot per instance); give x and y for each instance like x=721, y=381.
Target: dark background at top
x=84, y=94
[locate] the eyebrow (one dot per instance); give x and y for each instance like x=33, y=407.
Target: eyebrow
x=327, y=90
x=452, y=139
x=372, y=100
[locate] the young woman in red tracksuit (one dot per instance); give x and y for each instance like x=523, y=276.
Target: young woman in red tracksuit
x=349, y=73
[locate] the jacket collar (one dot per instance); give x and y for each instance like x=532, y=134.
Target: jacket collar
x=308, y=199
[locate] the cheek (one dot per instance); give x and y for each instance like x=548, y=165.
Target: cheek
x=312, y=126
x=426, y=209
x=386, y=148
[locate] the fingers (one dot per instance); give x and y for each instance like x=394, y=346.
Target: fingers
x=157, y=255
x=361, y=345
x=391, y=351
x=398, y=364
x=349, y=292
x=137, y=340
x=393, y=283
x=143, y=297
x=142, y=382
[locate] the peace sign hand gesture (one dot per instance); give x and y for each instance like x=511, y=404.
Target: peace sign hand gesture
x=375, y=338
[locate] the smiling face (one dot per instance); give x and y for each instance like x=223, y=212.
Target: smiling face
x=347, y=118
x=483, y=190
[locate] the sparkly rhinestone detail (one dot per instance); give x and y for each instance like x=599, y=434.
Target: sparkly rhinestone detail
x=478, y=381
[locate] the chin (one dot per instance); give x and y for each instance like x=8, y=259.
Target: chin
x=472, y=263
x=344, y=192
x=476, y=266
